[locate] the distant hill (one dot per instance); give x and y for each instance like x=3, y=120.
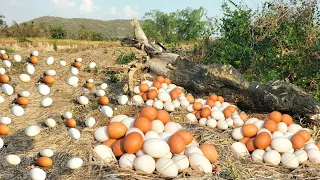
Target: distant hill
x=109, y=29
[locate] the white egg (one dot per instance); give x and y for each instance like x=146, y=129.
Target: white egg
x=200, y=163
x=133, y=129
x=237, y=133
x=203, y=121
x=67, y=115
x=5, y=120
x=78, y=59
x=166, y=167
x=37, y=174
x=74, y=71
x=211, y=123
x=92, y=65
x=90, y=122
x=281, y=144
x=50, y=72
x=83, y=100
x=46, y=153
x=169, y=155
x=1, y=99
x=137, y=99
x=74, y=163
x=264, y=130
x=171, y=127
x=217, y=115
x=156, y=148
x=314, y=155
x=217, y=104
x=222, y=124
x=107, y=111
x=190, y=108
x=238, y=122
x=181, y=161
x=145, y=163
x=24, y=93
x=35, y=53
x=73, y=80
x=257, y=155
x=2, y=70
x=50, y=60
x=282, y=127
x=17, y=58
x=240, y=148
x=161, y=90
x=272, y=157
x=17, y=111
x=184, y=103
x=74, y=133
x=63, y=63
x=301, y=155
x=123, y=99
x=157, y=126
x=164, y=96
x=259, y=124
x=13, y=159
x=32, y=130
x=164, y=86
x=176, y=103
x=105, y=153
x=289, y=160
x=24, y=77
x=6, y=63
x=192, y=149
x=149, y=102
x=191, y=118
x=140, y=153
x=168, y=106
x=7, y=89
x=165, y=136
x=1, y=143
x=101, y=134
x=126, y=161
x=30, y=69
x=43, y=89
x=310, y=146
x=118, y=118
x=277, y=134
x=129, y=122
x=293, y=128
x=229, y=121
x=2, y=51
x=151, y=135
x=45, y=102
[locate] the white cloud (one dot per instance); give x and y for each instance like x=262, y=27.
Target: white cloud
x=113, y=11
x=66, y=3
x=88, y=6
x=129, y=12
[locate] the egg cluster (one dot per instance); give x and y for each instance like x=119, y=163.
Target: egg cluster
x=276, y=140
x=152, y=142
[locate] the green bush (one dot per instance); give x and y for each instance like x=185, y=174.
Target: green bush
x=125, y=58
x=95, y=36
x=58, y=33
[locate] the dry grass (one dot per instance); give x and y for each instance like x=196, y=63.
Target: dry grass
x=230, y=166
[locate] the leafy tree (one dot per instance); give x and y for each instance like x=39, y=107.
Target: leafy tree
x=83, y=33
x=95, y=36
x=58, y=33
x=2, y=22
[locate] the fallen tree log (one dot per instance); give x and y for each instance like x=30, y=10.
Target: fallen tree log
x=225, y=80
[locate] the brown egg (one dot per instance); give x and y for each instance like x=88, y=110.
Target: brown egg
x=220, y=99
x=209, y=152
x=174, y=94
x=22, y=101
x=48, y=79
x=149, y=112
x=244, y=140
x=194, y=112
x=197, y=106
x=227, y=113
x=160, y=79
x=144, y=96
x=271, y=125
x=89, y=85
x=103, y=100
x=305, y=134
x=249, y=130
x=177, y=144
x=286, y=118
x=198, y=115
x=263, y=140
x=205, y=112
x=167, y=81
x=186, y=135
x=117, y=148
x=190, y=98
x=157, y=84
x=44, y=162
x=144, y=87
x=243, y=116
x=163, y=116
x=109, y=142
x=4, y=57
x=116, y=130
x=297, y=141
x=210, y=103
x=232, y=108
x=275, y=116
x=152, y=94
x=318, y=144
x=179, y=90
x=4, y=78
x=77, y=64
x=133, y=142
x=70, y=123
x=251, y=145
x=4, y=129
x=141, y=93
x=213, y=97
x=33, y=59
x=143, y=124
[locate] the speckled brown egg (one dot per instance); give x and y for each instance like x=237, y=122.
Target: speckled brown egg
x=152, y=94
x=117, y=148
x=160, y=79
x=133, y=142
x=205, y=112
x=4, y=129
x=109, y=142
x=297, y=141
x=71, y=123
x=4, y=78
x=44, y=162
x=149, y=112
x=22, y=101
x=210, y=152
x=48, y=79
x=305, y=134
x=249, y=130
x=286, y=118
x=263, y=140
x=186, y=135
x=103, y=100
x=116, y=130
x=275, y=116
x=197, y=106
x=144, y=87
x=176, y=144
x=271, y=125
x=143, y=124
x=33, y=59
x=163, y=116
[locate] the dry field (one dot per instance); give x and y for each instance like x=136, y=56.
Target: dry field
x=229, y=165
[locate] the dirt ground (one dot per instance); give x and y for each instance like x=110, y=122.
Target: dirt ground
x=230, y=166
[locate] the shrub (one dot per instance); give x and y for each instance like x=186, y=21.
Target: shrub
x=58, y=33
x=95, y=36
x=125, y=58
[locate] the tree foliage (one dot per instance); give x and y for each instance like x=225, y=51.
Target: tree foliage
x=58, y=33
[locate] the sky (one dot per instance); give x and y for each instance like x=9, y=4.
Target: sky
x=25, y=10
